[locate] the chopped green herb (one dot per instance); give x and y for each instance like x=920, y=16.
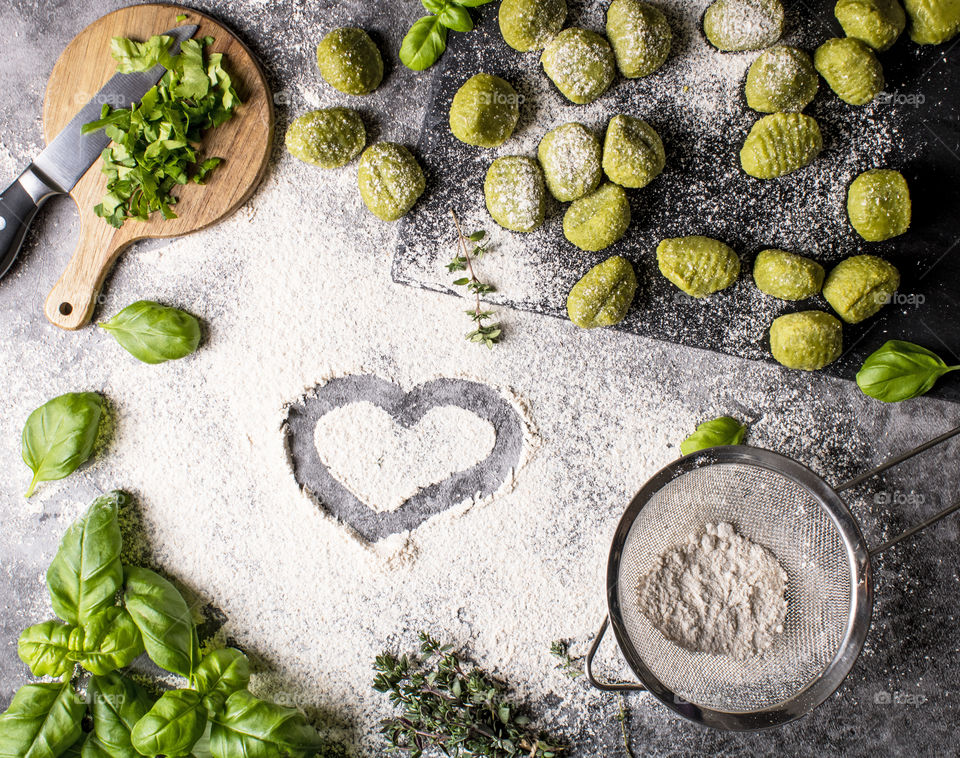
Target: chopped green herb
x=156, y=143
x=181, y=18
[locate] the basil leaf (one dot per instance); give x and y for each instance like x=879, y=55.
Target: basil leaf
x=92, y=748
x=900, y=371
x=118, y=703
x=721, y=431
x=172, y=726
x=250, y=726
x=110, y=641
x=435, y=6
x=45, y=648
x=42, y=721
x=456, y=17
x=154, y=333
x=219, y=675
x=86, y=572
x=132, y=56
x=59, y=436
x=424, y=43
x=164, y=620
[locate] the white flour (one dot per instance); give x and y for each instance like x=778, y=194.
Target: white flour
x=297, y=289
x=384, y=464
x=717, y=593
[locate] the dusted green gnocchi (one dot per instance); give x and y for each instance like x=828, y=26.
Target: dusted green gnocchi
x=779, y=144
x=878, y=23
x=633, y=154
x=530, y=24
x=515, y=193
x=860, y=286
x=391, y=181
x=580, y=63
x=598, y=220
x=485, y=111
x=933, y=21
x=850, y=68
x=350, y=61
x=640, y=36
x=604, y=294
x=738, y=25
x=571, y=160
x=787, y=276
x=699, y=266
x=328, y=138
x=808, y=340
x=781, y=79
x=878, y=204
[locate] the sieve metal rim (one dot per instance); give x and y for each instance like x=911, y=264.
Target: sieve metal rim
x=861, y=590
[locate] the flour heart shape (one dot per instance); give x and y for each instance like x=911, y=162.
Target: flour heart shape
x=406, y=410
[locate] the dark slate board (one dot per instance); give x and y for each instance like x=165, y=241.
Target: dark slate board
x=699, y=193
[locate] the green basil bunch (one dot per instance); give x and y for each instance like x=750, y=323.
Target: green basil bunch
x=900, y=371
x=154, y=333
x=427, y=38
x=720, y=431
x=109, y=614
x=59, y=436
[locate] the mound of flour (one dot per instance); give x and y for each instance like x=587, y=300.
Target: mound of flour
x=717, y=593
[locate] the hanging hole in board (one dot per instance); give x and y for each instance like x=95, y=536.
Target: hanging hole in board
x=66, y=309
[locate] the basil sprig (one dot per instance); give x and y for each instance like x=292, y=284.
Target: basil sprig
x=720, y=431
x=900, y=371
x=103, y=637
x=427, y=38
x=59, y=436
x=154, y=333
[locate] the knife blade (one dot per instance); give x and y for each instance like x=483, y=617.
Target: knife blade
x=70, y=154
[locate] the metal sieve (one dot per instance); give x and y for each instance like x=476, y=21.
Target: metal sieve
x=782, y=505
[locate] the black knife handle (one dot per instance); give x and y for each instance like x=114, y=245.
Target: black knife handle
x=19, y=203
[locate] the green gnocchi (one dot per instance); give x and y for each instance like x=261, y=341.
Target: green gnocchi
x=572, y=161
x=851, y=69
x=580, y=63
x=391, y=181
x=779, y=144
x=698, y=265
x=604, y=294
x=515, y=194
x=781, y=79
x=933, y=21
x=328, y=138
x=877, y=23
x=530, y=24
x=808, y=340
x=860, y=286
x=633, y=154
x=786, y=275
x=738, y=25
x=484, y=111
x=878, y=204
x=600, y=219
x=640, y=36
x=350, y=61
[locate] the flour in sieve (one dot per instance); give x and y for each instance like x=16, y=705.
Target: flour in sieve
x=717, y=593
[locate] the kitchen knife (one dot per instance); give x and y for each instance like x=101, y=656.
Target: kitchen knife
x=58, y=168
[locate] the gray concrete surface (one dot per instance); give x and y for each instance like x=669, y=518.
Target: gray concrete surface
x=901, y=698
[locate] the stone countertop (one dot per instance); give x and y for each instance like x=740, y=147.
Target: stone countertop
x=901, y=697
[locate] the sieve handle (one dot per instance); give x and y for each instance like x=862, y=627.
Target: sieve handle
x=896, y=462
x=588, y=667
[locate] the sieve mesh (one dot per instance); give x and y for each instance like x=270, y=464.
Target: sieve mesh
x=782, y=516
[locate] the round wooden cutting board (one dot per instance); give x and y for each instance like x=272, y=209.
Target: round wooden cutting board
x=244, y=143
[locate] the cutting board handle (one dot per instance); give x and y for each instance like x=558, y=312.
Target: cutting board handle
x=72, y=300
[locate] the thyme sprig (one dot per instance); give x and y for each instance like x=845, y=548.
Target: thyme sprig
x=569, y=665
x=488, y=334
x=452, y=708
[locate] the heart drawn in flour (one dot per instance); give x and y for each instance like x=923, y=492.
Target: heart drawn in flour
x=383, y=461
